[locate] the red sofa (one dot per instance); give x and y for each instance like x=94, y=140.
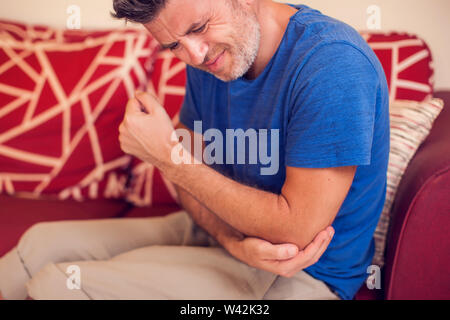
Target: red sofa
x=417, y=255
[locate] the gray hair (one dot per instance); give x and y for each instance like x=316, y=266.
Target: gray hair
x=140, y=11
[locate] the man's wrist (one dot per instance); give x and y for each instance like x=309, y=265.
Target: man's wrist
x=216, y=227
x=225, y=235
x=229, y=238
x=174, y=163
x=167, y=165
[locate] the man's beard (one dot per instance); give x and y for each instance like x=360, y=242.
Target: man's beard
x=243, y=52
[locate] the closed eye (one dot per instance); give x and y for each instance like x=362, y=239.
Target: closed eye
x=174, y=46
x=199, y=29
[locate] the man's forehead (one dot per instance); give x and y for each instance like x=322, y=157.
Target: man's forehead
x=177, y=17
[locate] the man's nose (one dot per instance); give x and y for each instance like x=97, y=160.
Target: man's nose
x=196, y=50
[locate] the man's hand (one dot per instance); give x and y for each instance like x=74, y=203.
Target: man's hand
x=281, y=259
x=146, y=131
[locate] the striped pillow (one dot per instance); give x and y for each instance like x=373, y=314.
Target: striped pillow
x=411, y=123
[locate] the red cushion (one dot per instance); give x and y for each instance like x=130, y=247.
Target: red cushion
x=406, y=61
x=63, y=95
x=17, y=215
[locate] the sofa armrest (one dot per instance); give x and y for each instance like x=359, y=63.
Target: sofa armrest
x=418, y=255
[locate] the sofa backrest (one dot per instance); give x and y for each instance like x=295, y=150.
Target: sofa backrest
x=63, y=93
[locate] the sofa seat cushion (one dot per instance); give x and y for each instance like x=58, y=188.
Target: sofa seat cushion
x=18, y=214
x=153, y=211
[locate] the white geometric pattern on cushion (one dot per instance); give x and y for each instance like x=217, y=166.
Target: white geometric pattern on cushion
x=62, y=97
x=407, y=63
x=411, y=123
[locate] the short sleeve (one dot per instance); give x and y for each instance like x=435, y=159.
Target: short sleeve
x=189, y=110
x=332, y=109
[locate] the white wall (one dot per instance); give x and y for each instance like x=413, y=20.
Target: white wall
x=94, y=13
x=427, y=18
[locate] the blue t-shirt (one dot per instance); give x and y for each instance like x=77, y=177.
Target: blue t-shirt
x=325, y=92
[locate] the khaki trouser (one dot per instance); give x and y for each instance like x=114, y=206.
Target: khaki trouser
x=138, y=258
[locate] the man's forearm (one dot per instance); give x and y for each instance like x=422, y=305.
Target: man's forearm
x=253, y=212
x=216, y=227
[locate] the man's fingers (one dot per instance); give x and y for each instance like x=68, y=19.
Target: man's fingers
x=288, y=266
x=142, y=102
x=313, y=249
x=133, y=106
x=302, y=260
x=278, y=251
x=147, y=101
x=324, y=245
x=263, y=250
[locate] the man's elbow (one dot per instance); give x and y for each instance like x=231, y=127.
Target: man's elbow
x=300, y=235
x=293, y=227
x=299, y=227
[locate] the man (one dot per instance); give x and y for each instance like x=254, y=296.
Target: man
x=259, y=67
x=266, y=65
